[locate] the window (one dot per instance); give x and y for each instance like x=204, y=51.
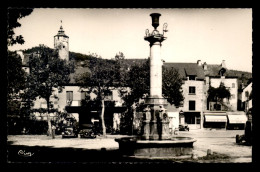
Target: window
x=83, y=95
x=192, y=118
x=217, y=107
x=192, y=77
x=192, y=90
x=69, y=95
x=247, y=94
x=192, y=104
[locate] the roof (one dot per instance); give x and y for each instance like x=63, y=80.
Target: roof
x=186, y=69
x=213, y=70
x=61, y=32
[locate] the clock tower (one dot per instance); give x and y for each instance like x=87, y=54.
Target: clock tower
x=61, y=42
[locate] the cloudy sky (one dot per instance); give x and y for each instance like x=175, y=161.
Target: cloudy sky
x=209, y=35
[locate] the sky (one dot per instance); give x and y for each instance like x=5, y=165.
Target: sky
x=209, y=35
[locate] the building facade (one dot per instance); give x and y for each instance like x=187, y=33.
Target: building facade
x=193, y=88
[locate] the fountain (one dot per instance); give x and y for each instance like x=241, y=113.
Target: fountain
x=155, y=140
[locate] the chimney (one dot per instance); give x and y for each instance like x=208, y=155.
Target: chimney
x=205, y=67
x=223, y=64
x=199, y=63
x=20, y=53
x=243, y=81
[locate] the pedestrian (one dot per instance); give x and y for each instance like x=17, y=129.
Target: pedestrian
x=53, y=128
x=116, y=122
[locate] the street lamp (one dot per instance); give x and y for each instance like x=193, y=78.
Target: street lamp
x=155, y=33
x=155, y=19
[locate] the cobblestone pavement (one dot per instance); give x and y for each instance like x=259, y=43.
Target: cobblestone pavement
x=219, y=141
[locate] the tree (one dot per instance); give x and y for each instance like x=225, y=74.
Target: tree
x=101, y=80
x=47, y=71
x=218, y=94
x=13, y=15
x=172, y=86
x=15, y=73
x=138, y=80
x=15, y=82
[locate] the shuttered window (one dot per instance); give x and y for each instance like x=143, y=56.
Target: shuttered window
x=192, y=105
x=69, y=95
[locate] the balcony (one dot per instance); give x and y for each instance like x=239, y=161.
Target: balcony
x=74, y=103
x=73, y=106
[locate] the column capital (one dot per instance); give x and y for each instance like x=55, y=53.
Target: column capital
x=155, y=39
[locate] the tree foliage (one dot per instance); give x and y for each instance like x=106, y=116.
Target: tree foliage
x=100, y=81
x=47, y=71
x=137, y=79
x=13, y=15
x=219, y=93
x=15, y=83
x=139, y=82
x=15, y=73
x=172, y=86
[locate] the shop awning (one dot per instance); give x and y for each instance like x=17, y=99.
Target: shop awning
x=215, y=118
x=237, y=119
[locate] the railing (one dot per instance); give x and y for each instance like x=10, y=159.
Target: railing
x=73, y=103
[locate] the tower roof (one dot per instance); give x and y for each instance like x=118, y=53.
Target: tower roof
x=61, y=32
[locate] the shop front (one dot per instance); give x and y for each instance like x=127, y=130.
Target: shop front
x=215, y=120
x=236, y=120
x=192, y=119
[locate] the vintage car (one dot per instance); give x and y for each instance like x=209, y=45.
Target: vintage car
x=246, y=138
x=88, y=131
x=184, y=127
x=69, y=131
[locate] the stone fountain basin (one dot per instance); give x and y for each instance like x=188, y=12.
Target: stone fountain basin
x=172, y=147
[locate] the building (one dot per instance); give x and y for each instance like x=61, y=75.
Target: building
x=221, y=114
x=194, y=93
x=247, y=97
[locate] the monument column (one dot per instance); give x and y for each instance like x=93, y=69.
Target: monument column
x=155, y=70
x=155, y=100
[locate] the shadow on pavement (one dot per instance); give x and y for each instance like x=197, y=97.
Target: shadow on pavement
x=17, y=153
x=35, y=154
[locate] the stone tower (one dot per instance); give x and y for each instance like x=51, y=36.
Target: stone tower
x=61, y=42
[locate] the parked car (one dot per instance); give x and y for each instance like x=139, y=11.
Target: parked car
x=88, y=131
x=184, y=127
x=247, y=137
x=69, y=131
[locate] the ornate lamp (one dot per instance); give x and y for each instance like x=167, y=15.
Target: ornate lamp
x=155, y=19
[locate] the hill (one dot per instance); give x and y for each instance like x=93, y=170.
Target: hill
x=90, y=60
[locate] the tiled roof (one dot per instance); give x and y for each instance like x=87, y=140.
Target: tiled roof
x=213, y=70
x=185, y=69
